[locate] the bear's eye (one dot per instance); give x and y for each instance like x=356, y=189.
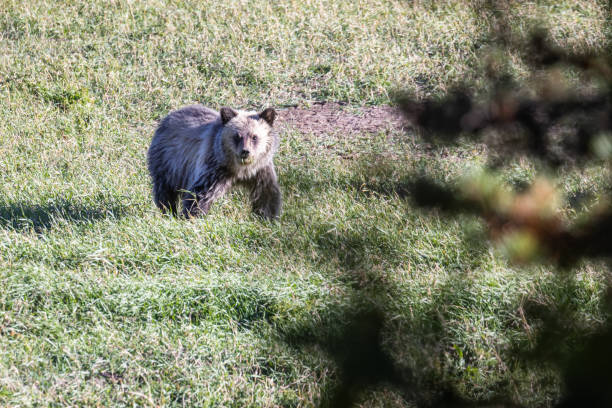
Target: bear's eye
x=254, y=138
x=236, y=138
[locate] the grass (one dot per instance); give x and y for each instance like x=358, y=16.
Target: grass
x=106, y=302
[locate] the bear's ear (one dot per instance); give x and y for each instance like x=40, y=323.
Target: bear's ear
x=268, y=115
x=227, y=114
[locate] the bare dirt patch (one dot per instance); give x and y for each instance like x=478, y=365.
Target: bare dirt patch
x=324, y=118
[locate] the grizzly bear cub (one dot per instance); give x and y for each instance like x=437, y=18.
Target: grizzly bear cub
x=198, y=154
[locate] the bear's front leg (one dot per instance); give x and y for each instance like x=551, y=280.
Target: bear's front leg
x=198, y=200
x=195, y=205
x=265, y=193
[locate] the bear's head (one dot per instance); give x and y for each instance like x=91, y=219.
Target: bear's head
x=246, y=135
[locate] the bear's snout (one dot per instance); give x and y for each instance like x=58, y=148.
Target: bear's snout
x=244, y=153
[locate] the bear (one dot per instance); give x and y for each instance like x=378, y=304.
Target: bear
x=197, y=154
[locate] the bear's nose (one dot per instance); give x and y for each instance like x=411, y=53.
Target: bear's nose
x=244, y=154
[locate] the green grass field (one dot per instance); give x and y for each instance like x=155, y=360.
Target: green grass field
x=106, y=302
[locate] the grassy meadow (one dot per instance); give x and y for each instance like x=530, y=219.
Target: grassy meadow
x=104, y=301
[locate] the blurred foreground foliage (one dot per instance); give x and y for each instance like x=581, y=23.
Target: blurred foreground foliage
x=557, y=126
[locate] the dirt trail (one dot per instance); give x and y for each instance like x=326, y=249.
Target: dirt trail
x=334, y=118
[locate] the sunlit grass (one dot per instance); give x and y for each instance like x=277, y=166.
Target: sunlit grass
x=106, y=301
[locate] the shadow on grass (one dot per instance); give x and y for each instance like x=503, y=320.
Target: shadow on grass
x=428, y=366
x=577, y=349
x=353, y=246
x=372, y=347
x=23, y=216
x=370, y=174
x=355, y=333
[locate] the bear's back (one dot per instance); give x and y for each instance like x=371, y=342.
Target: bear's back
x=182, y=142
x=192, y=116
